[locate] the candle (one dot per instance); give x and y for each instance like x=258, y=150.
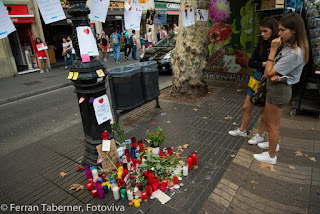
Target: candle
x=95, y=173
x=164, y=185
x=120, y=172
x=149, y=189
x=123, y=192
x=169, y=150
x=128, y=157
x=136, y=203
x=94, y=193
x=185, y=170
x=104, y=177
x=150, y=177
x=125, y=172
x=99, y=190
x=134, y=144
x=140, y=186
x=89, y=187
x=190, y=164
x=105, y=189
x=154, y=187
x=90, y=180
x=116, y=194
x=161, y=154
x=178, y=169
x=126, y=151
x=88, y=171
x=133, y=152
x=140, y=145
x=194, y=158
x=144, y=195
x=130, y=195
x=175, y=180
x=156, y=182
x=125, y=165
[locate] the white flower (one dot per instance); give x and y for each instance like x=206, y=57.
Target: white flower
x=152, y=169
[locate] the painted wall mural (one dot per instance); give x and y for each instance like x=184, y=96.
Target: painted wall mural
x=230, y=32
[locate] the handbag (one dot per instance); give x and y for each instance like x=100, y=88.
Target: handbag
x=259, y=97
x=255, y=80
x=64, y=53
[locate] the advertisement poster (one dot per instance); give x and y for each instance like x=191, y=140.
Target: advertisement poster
x=6, y=26
x=51, y=11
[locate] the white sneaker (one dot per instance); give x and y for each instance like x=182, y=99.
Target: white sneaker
x=265, y=145
x=237, y=132
x=265, y=157
x=41, y=71
x=256, y=139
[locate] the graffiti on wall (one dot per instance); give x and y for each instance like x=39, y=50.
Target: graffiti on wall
x=230, y=32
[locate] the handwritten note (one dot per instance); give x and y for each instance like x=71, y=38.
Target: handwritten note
x=106, y=145
x=6, y=26
x=51, y=11
x=85, y=58
x=102, y=109
x=87, y=42
x=188, y=17
x=132, y=18
x=99, y=10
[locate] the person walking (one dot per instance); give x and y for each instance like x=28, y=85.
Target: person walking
x=159, y=35
x=66, y=51
x=73, y=51
x=127, y=47
x=104, y=45
x=282, y=70
x=163, y=33
x=149, y=39
x=143, y=42
x=269, y=31
x=115, y=39
x=134, y=45
x=175, y=28
x=42, y=56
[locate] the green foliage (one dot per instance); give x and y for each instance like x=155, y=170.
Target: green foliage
x=156, y=138
x=120, y=132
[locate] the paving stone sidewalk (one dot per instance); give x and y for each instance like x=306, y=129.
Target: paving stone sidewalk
x=30, y=175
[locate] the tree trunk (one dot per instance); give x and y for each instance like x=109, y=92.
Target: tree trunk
x=189, y=59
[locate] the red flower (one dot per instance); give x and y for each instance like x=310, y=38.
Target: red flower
x=104, y=135
x=78, y=169
x=134, y=184
x=156, y=134
x=161, y=136
x=132, y=177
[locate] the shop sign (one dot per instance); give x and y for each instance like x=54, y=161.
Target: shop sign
x=118, y=17
x=65, y=3
x=142, y=1
x=173, y=6
x=17, y=9
x=21, y=19
x=116, y=5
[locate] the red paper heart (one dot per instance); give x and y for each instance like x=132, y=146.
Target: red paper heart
x=101, y=100
x=86, y=31
x=190, y=10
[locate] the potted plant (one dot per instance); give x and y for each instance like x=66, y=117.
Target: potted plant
x=156, y=139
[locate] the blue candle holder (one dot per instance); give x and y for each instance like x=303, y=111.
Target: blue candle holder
x=133, y=152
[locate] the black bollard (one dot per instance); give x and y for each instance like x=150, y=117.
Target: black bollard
x=87, y=85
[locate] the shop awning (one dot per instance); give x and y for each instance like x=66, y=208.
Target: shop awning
x=19, y=19
x=172, y=12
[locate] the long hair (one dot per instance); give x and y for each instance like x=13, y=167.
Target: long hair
x=294, y=22
x=273, y=24
x=37, y=39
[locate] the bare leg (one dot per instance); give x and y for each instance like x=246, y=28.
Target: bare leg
x=273, y=116
x=262, y=127
x=45, y=63
x=247, y=107
x=40, y=64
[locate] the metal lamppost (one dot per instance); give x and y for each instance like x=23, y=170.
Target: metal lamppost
x=88, y=85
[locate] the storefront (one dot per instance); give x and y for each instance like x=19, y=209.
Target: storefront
x=172, y=12
x=115, y=18
x=22, y=40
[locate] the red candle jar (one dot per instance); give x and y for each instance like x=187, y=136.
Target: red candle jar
x=154, y=187
x=164, y=185
x=125, y=166
x=125, y=172
x=190, y=162
x=194, y=158
x=94, y=193
x=126, y=151
x=104, y=177
x=162, y=154
x=150, y=177
x=140, y=186
x=133, y=141
x=140, y=145
x=89, y=187
x=144, y=195
x=169, y=150
x=175, y=180
x=156, y=182
x=149, y=189
x=90, y=180
x=128, y=157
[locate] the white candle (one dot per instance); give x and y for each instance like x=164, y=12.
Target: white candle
x=130, y=195
x=116, y=194
x=178, y=169
x=185, y=170
x=95, y=173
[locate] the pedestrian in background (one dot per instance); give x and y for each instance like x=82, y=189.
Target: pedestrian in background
x=134, y=45
x=143, y=42
x=269, y=31
x=127, y=47
x=159, y=35
x=115, y=39
x=149, y=39
x=163, y=33
x=42, y=56
x=66, y=51
x=175, y=28
x=73, y=51
x=282, y=71
x=104, y=42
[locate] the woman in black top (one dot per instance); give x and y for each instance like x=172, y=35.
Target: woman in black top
x=104, y=41
x=269, y=30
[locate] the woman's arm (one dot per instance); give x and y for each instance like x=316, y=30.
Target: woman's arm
x=269, y=71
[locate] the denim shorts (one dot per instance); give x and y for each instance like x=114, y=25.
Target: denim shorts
x=257, y=75
x=278, y=93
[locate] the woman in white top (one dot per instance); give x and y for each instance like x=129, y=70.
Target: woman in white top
x=149, y=39
x=66, y=51
x=73, y=51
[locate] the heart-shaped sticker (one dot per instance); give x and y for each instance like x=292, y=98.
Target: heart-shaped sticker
x=190, y=10
x=101, y=100
x=86, y=31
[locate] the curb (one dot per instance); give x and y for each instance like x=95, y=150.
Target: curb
x=30, y=94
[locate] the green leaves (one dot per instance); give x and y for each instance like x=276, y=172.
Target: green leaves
x=158, y=166
x=156, y=139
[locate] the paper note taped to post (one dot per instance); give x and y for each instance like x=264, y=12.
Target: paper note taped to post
x=87, y=42
x=102, y=109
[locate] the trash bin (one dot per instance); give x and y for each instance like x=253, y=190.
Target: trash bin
x=150, y=84
x=126, y=85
